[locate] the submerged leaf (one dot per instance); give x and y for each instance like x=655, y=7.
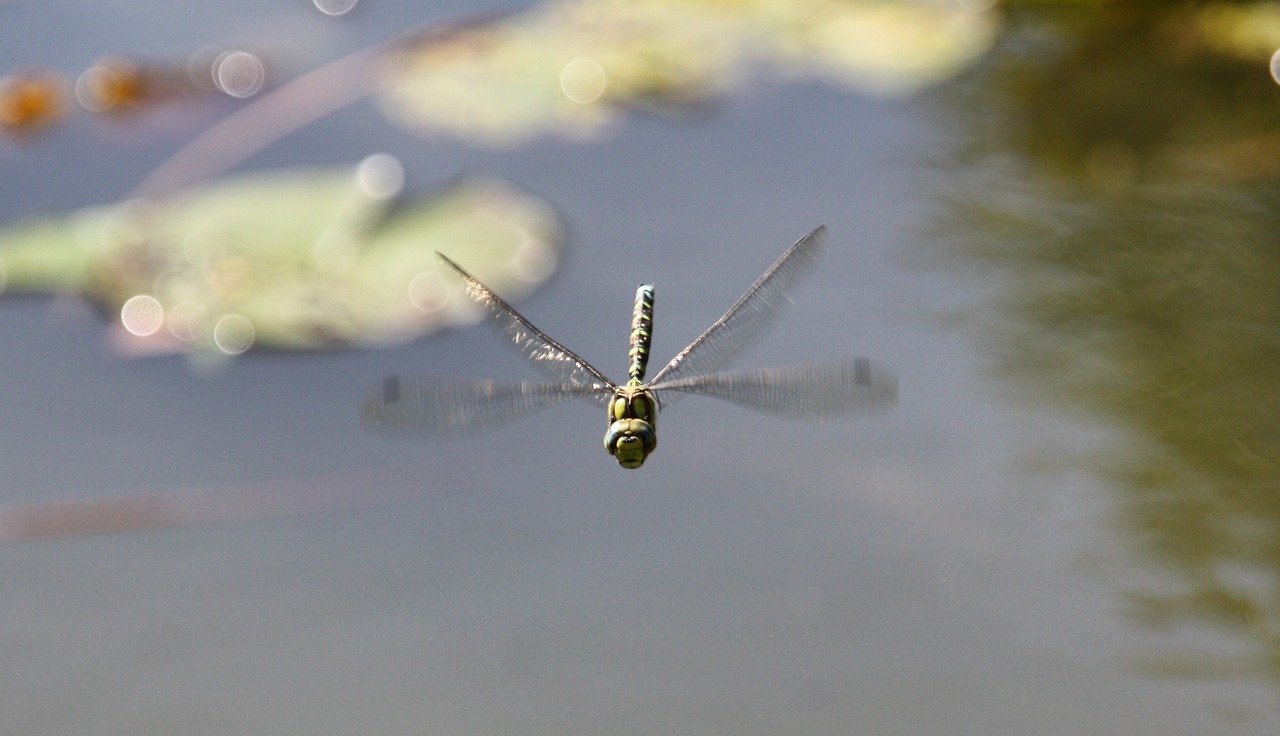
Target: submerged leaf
x=301, y=259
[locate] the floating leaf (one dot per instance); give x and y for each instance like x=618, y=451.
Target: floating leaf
x=573, y=66
x=301, y=259
x=878, y=46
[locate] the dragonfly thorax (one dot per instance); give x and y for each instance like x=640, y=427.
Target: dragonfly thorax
x=632, y=431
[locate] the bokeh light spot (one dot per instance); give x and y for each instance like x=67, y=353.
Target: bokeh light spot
x=233, y=334
x=239, y=73
x=582, y=80
x=429, y=291
x=186, y=321
x=1275, y=66
x=142, y=315
x=380, y=176
x=107, y=85
x=335, y=7
x=535, y=260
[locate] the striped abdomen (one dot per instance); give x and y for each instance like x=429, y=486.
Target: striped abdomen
x=641, y=333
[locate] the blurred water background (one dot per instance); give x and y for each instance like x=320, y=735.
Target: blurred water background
x=1055, y=222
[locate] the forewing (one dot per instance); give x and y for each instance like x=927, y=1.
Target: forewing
x=816, y=391
x=751, y=316
x=433, y=407
x=551, y=357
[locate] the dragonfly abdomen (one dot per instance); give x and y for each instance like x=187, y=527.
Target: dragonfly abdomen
x=641, y=333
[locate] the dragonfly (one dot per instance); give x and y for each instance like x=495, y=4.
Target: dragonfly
x=432, y=407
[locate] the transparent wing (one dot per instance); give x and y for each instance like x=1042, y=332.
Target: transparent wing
x=750, y=317
x=551, y=357
x=816, y=391
x=435, y=407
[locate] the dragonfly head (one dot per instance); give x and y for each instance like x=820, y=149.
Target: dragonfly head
x=631, y=436
x=630, y=441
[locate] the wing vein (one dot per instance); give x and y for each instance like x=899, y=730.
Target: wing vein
x=816, y=391
x=750, y=317
x=435, y=407
x=552, y=358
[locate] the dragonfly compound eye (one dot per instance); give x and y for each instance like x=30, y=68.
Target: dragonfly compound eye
x=618, y=409
x=642, y=407
x=644, y=430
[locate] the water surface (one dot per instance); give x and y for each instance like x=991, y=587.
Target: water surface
x=966, y=565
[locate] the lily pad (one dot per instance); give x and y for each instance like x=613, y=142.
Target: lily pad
x=299, y=259
x=574, y=66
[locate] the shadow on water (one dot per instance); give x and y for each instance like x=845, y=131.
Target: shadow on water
x=1119, y=185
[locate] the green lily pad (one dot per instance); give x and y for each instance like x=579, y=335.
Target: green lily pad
x=299, y=259
x=575, y=66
